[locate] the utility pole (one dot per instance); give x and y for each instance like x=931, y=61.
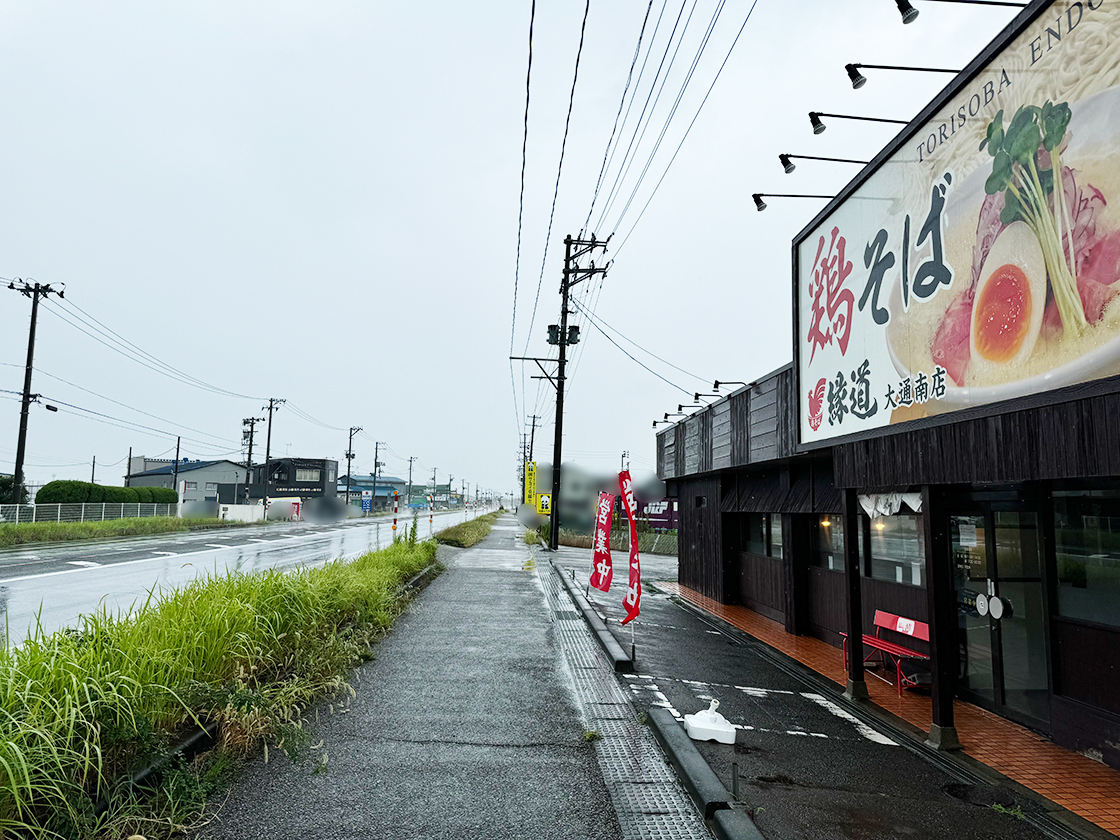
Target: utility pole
x=251, y=422
x=562, y=337
x=450, y=478
x=93, y=471
x=408, y=500
x=274, y=404
x=533, y=435
x=33, y=291
x=178, y=440
x=128, y=469
x=377, y=444
x=349, y=459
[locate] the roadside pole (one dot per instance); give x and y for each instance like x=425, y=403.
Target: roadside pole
x=396, y=501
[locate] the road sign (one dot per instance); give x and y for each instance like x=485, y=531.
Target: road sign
x=544, y=504
x=367, y=500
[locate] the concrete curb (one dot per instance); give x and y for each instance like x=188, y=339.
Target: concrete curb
x=705, y=788
x=735, y=825
x=622, y=662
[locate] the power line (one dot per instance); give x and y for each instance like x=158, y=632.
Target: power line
x=134, y=356
x=645, y=107
x=637, y=361
x=192, y=379
x=603, y=323
x=133, y=408
x=559, y=170
x=520, y=214
x=614, y=128
x=689, y=129
x=673, y=109
x=299, y=412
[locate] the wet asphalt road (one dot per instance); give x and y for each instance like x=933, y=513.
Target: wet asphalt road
x=811, y=770
x=54, y=583
x=464, y=726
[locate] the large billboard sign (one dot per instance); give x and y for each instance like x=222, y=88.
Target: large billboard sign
x=980, y=261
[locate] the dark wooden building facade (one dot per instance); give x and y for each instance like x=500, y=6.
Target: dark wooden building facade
x=1022, y=505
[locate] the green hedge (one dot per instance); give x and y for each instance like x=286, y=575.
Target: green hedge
x=77, y=492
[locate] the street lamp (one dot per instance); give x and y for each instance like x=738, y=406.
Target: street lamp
x=788, y=165
x=859, y=80
x=760, y=205
x=819, y=127
x=910, y=14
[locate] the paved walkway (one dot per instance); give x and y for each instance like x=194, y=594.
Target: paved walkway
x=1087, y=788
x=464, y=727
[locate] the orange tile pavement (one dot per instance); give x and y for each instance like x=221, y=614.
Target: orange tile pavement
x=1085, y=787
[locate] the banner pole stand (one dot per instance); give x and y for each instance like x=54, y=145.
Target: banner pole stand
x=631, y=641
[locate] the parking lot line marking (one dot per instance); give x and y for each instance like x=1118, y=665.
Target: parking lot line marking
x=215, y=545
x=85, y=564
x=167, y=553
x=861, y=727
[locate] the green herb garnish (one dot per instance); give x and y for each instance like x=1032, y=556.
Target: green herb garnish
x=1030, y=191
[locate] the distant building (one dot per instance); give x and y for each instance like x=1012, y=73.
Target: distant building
x=201, y=477
x=383, y=496
x=305, y=478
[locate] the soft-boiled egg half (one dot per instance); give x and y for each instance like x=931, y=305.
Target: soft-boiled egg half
x=1009, y=301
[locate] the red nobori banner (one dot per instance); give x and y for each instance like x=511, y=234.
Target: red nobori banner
x=601, y=569
x=633, y=599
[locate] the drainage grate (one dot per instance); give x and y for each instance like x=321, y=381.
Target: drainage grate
x=649, y=801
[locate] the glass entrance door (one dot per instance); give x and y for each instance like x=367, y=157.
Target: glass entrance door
x=1001, y=612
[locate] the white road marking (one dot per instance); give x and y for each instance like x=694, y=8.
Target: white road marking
x=215, y=545
x=167, y=553
x=861, y=727
x=85, y=564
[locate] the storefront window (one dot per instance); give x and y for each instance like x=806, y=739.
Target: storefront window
x=754, y=533
x=898, y=551
x=828, y=548
x=1087, y=545
x=762, y=534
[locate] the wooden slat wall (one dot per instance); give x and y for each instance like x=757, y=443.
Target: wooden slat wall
x=740, y=428
x=666, y=453
x=692, y=446
x=1070, y=440
x=705, y=441
x=700, y=547
x=721, y=435
x=678, y=451
x=827, y=604
x=787, y=413
x=764, y=421
x=762, y=582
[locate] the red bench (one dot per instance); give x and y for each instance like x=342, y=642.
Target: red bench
x=884, y=649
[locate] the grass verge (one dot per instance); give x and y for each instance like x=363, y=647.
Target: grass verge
x=39, y=532
x=466, y=534
x=83, y=708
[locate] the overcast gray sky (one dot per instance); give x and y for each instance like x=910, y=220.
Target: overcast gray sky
x=319, y=201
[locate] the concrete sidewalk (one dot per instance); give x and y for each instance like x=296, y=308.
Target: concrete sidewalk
x=464, y=726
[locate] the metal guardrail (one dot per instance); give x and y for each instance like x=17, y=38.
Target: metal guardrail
x=85, y=512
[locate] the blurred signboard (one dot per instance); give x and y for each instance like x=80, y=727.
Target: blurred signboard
x=530, y=482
